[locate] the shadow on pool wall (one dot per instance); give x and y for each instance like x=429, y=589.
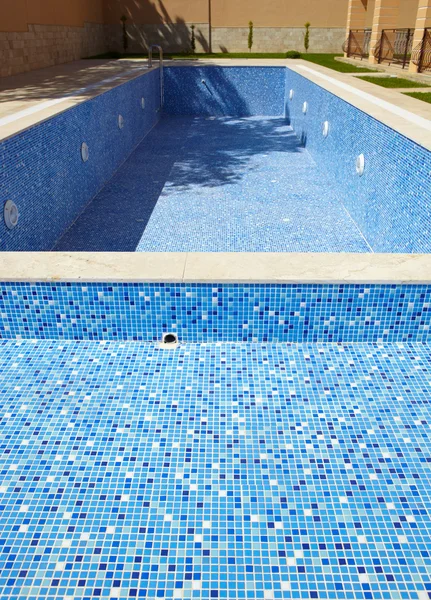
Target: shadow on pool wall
x=390, y=202
x=225, y=91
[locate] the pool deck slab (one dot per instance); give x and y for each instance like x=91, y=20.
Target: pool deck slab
x=200, y=267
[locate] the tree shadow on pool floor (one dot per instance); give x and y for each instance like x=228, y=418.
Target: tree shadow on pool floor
x=184, y=154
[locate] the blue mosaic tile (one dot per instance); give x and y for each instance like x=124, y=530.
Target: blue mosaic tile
x=390, y=202
x=231, y=471
x=228, y=185
x=42, y=171
x=225, y=91
x=216, y=312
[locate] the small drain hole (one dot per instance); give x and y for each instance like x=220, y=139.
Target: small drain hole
x=169, y=338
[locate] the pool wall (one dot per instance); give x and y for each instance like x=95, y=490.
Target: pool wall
x=390, y=202
x=42, y=171
x=225, y=91
x=216, y=312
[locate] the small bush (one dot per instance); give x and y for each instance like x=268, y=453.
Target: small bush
x=307, y=36
x=293, y=54
x=250, y=36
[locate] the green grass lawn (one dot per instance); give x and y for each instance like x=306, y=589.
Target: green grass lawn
x=394, y=82
x=328, y=60
x=196, y=56
x=228, y=55
x=424, y=96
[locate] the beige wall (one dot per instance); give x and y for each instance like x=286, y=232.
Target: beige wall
x=16, y=15
x=406, y=15
x=225, y=13
x=151, y=13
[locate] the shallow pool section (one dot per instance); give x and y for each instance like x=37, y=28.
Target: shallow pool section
x=223, y=184
x=222, y=470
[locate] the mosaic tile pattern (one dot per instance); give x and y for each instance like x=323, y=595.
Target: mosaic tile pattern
x=215, y=312
x=42, y=171
x=225, y=91
x=390, y=202
x=215, y=471
x=217, y=185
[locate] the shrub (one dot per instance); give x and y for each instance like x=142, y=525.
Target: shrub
x=293, y=54
x=307, y=36
x=250, y=35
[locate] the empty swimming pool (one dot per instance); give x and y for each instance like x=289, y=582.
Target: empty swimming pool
x=238, y=159
x=281, y=450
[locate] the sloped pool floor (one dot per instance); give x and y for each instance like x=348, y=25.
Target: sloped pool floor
x=224, y=470
x=217, y=185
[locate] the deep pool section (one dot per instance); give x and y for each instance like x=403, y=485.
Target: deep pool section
x=207, y=184
x=234, y=164
x=229, y=471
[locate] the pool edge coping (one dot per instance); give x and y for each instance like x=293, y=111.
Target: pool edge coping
x=215, y=267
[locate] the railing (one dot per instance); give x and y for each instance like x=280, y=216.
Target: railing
x=358, y=43
x=421, y=55
x=395, y=46
x=150, y=64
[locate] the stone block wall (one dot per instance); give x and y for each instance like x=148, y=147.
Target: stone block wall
x=175, y=37
x=48, y=45
x=277, y=39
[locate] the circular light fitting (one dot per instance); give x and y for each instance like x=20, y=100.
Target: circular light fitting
x=325, y=129
x=305, y=108
x=11, y=214
x=360, y=164
x=84, y=152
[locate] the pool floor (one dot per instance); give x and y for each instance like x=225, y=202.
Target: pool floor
x=217, y=185
x=215, y=471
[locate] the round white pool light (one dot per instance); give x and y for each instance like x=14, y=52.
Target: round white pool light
x=143, y=103
x=305, y=108
x=360, y=164
x=10, y=214
x=291, y=94
x=84, y=152
x=120, y=121
x=325, y=129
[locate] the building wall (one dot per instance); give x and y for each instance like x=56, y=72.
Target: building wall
x=278, y=24
x=42, y=33
x=406, y=15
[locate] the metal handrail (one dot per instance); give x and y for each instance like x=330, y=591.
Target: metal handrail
x=150, y=64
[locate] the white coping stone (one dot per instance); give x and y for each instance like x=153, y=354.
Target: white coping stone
x=244, y=267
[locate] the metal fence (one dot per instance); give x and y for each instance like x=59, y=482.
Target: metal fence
x=421, y=55
x=358, y=43
x=395, y=46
